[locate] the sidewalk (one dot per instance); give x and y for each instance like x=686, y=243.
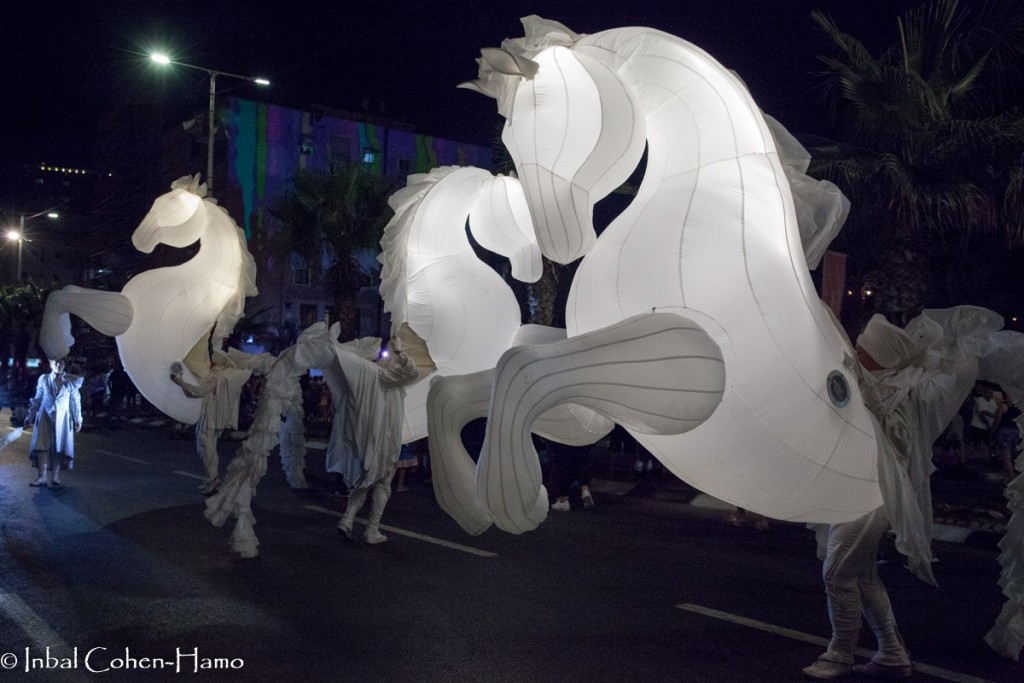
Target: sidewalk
x=968, y=503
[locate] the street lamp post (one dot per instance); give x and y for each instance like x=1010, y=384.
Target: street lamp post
x=19, y=234
x=160, y=58
x=21, y=241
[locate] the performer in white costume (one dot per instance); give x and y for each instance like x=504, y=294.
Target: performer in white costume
x=913, y=394
x=56, y=411
x=366, y=449
x=220, y=391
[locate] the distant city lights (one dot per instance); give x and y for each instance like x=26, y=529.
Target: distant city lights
x=64, y=169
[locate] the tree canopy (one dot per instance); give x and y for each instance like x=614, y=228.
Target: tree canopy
x=325, y=219
x=929, y=147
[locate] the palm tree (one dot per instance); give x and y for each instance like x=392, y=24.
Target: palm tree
x=928, y=151
x=325, y=219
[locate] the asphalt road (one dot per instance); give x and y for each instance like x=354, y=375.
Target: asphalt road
x=123, y=566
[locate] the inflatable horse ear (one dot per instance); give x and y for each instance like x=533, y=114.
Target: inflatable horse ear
x=499, y=62
x=504, y=62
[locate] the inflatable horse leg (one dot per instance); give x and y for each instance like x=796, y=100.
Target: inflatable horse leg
x=452, y=403
x=108, y=312
x=657, y=373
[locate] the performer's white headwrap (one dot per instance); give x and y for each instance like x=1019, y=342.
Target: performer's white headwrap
x=889, y=345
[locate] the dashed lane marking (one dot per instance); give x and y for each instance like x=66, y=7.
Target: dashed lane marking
x=413, y=534
x=190, y=474
x=122, y=457
x=928, y=669
x=31, y=623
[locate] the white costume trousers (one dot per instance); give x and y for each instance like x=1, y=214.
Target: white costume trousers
x=852, y=585
x=381, y=495
x=206, y=445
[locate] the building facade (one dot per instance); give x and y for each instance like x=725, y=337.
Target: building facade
x=267, y=144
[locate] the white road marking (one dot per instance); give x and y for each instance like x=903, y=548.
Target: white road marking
x=951, y=534
x=31, y=623
x=122, y=457
x=928, y=669
x=413, y=534
x=190, y=474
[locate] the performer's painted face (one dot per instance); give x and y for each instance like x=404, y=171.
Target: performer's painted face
x=57, y=366
x=867, y=361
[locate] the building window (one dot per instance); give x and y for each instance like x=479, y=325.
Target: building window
x=307, y=315
x=301, y=270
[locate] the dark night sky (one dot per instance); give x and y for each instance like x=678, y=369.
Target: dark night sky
x=64, y=62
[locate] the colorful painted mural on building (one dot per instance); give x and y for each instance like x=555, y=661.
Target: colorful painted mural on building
x=268, y=143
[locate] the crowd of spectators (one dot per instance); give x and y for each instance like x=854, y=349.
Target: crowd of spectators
x=984, y=435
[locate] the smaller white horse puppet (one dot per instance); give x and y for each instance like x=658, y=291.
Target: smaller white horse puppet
x=433, y=282
x=161, y=314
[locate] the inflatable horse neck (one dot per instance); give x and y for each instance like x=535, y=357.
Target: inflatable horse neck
x=666, y=74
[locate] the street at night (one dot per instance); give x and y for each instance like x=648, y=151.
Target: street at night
x=427, y=340
x=122, y=563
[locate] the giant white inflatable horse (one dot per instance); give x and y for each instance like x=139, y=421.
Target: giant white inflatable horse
x=707, y=257
x=161, y=314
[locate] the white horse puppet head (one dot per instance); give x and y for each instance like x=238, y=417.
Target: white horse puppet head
x=562, y=159
x=711, y=236
x=177, y=218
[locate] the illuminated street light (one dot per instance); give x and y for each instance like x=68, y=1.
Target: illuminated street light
x=18, y=234
x=163, y=59
x=15, y=236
